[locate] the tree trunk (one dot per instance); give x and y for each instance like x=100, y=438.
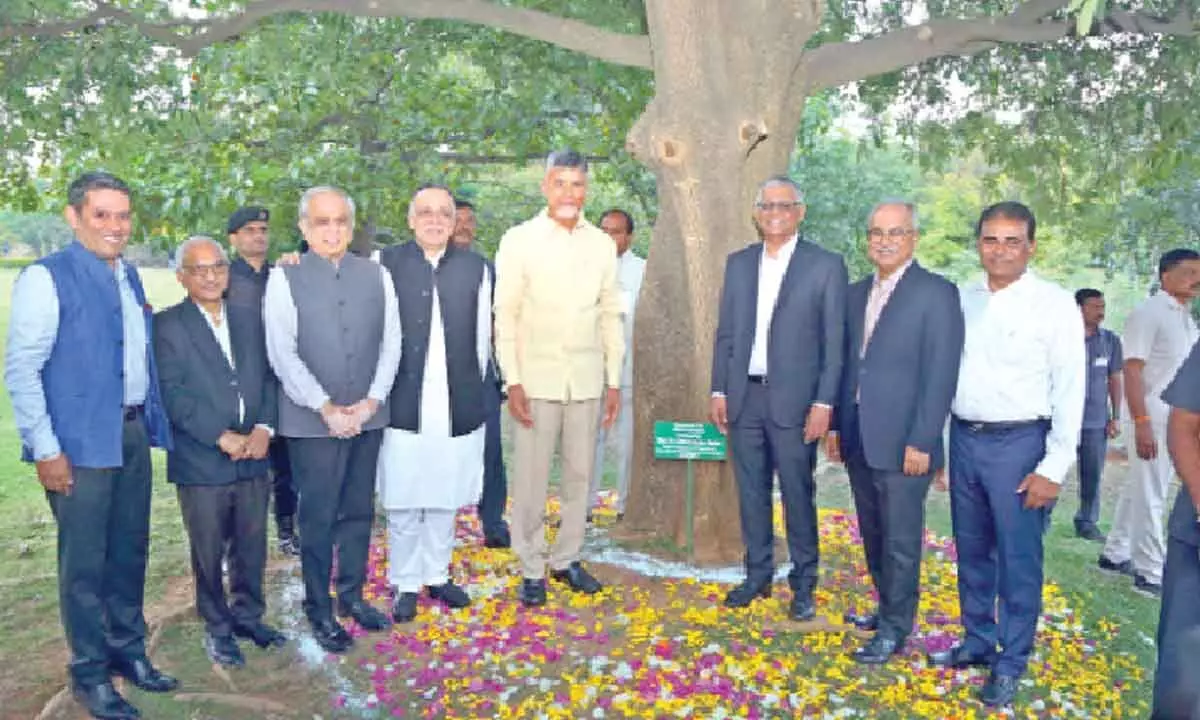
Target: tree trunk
x=711, y=137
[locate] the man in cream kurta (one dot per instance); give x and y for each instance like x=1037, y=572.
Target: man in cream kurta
x=431, y=462
x=560, y=345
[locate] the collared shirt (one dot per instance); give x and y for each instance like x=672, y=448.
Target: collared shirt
x=770, y=279
x=219, y=324
x=32, y=331
x=630, y=270
x=1104, y=359
x=877, y=300
x=1160, y=332
x=294, y=376
x=1024, y=359
x=558, y=310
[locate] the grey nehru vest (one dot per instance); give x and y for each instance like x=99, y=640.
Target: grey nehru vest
x=339, y=320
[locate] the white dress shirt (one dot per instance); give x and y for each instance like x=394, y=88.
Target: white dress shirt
x=1160, y=332
x=770, y=280
x=1024, y=358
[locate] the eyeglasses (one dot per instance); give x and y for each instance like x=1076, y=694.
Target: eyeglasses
x=895, y=234
x=1008, y=243
x=214, y=270
x=778, y=206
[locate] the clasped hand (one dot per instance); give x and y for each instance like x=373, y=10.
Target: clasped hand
x=252, y=446
x=346, y=421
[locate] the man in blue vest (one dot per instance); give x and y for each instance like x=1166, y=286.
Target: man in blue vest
x=85, y=399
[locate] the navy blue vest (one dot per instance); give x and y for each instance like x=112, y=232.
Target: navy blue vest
x=457, y=277
x=84, y=377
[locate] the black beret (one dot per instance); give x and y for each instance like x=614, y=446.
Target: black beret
x=246, y=215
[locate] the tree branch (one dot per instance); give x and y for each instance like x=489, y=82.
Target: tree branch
x=835, y=64
x=192, y=36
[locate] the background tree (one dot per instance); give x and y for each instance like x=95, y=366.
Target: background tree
x=730, y=81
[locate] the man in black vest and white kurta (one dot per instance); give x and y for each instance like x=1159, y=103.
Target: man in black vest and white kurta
x=333, y=338
x=432, y=458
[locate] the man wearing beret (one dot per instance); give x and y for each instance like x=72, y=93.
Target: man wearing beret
x=249, y=237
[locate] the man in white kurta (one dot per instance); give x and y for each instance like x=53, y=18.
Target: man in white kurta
x=431, y=463
x=630, y=269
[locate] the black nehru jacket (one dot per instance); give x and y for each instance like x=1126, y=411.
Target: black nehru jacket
x=457, y=278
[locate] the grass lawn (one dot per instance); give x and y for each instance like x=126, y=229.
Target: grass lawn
x=578, y=656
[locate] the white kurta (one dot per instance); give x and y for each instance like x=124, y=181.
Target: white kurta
x=429, y=468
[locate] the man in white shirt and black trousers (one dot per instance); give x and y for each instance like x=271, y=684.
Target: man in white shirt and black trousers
x=1015, y=425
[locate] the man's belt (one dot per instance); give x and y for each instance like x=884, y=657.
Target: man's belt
x=981, y=426
x=131, y=412
x=758, y=379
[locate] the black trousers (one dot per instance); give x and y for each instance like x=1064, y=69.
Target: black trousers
x=103, y=540
x=760, y=449
x=336, y=482
x=891, y=519
x=1177, y=677
x=233, y=517
x=495, y=481
x=281, y=472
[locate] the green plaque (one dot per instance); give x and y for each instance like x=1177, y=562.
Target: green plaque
x=688, y=441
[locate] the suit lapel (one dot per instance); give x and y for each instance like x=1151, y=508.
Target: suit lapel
x=856, y=309
x=794, y=269
x=203, y=338
x=898, y=295
x=752, y=269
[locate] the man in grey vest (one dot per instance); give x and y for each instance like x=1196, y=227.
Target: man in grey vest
x=333, y=338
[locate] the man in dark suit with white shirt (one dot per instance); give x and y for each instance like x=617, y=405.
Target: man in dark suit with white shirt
x=221, y=398
x=781, y=324
x=904, y=342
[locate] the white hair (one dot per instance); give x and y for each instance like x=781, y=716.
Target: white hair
x=908, y=205
x=312, y=192
x=195, y=241
x=779, y=181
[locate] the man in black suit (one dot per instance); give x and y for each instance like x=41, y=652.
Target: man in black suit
x=904, y=339
x=221, y=399
x=249, y=236
x=777, y=361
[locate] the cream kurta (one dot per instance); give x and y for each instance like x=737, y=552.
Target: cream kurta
x=431, y=469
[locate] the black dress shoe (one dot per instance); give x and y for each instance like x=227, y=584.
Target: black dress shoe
x=497, y=538
x=404, y=607
x=878, y=651
x=744, y=594
x=450, y=594
x=802, y=609
x=958, y=658
x=331, y=636
x=223, y=650
x=368, y=617
x=578, y=579
x=533, y=592
x=863, y=621
x=103, y=701
x=999, y=690
x=143, y=675
x=261, y=634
